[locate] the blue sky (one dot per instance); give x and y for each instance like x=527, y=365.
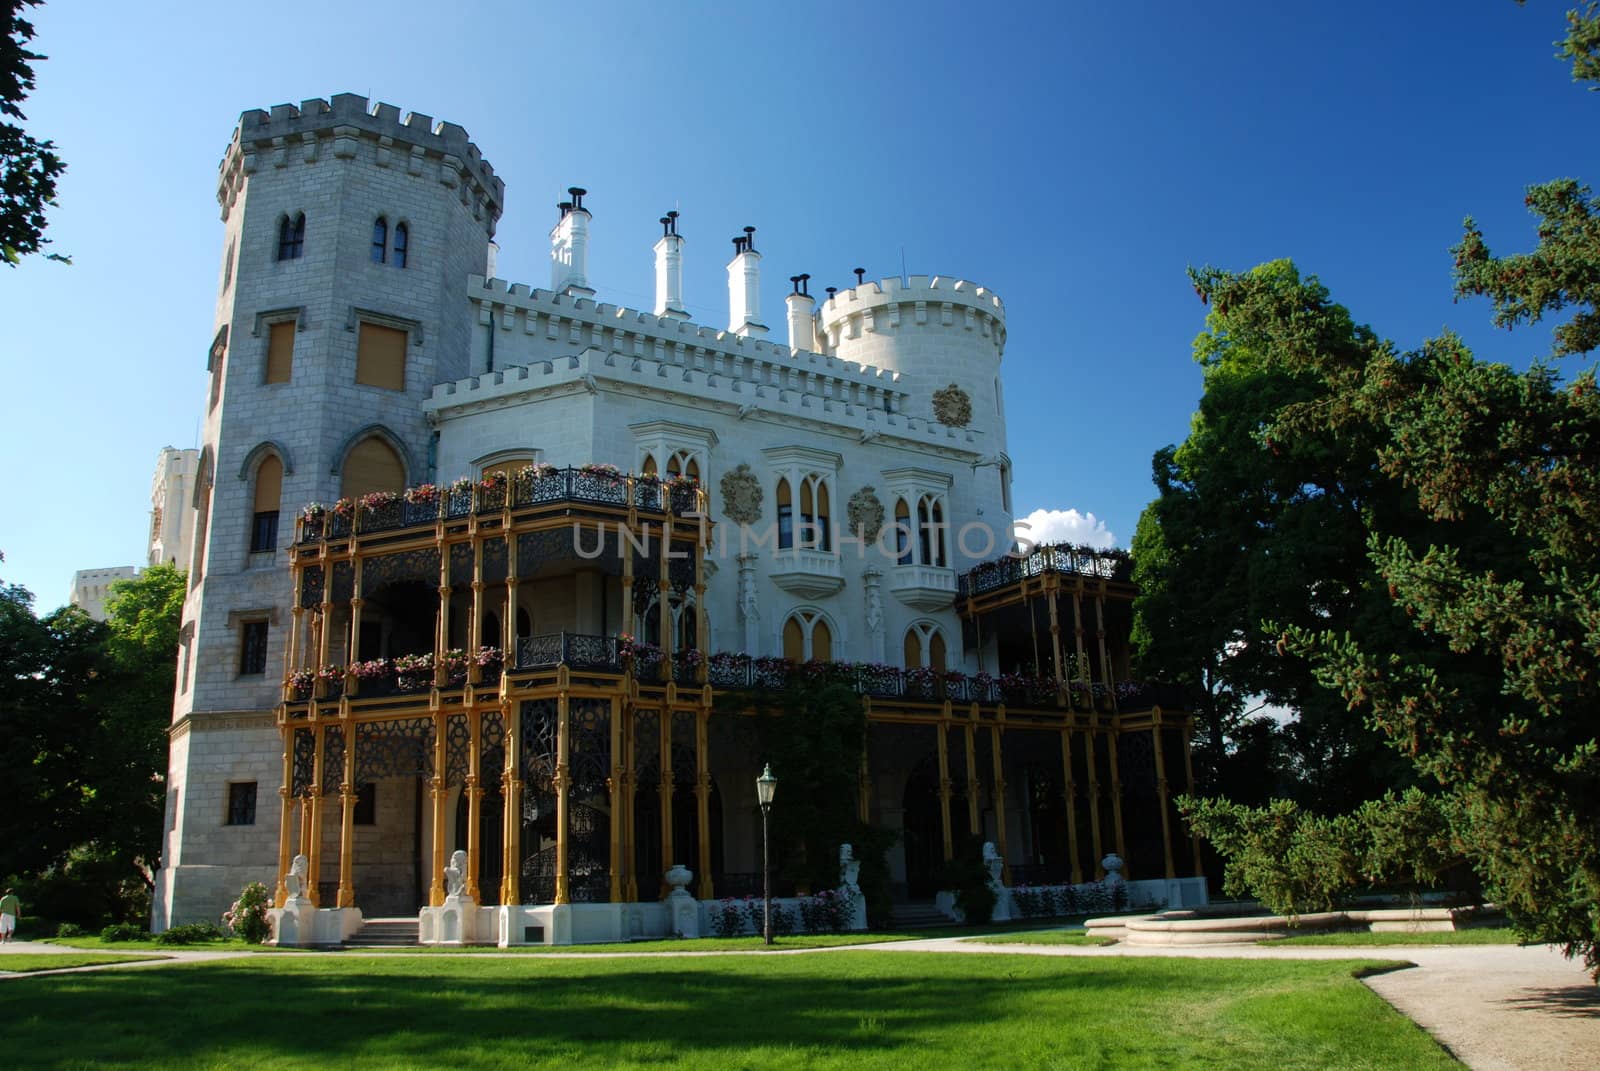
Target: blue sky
x=1073, y=157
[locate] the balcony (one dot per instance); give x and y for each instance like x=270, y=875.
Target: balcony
x=1109, y=564
x=597, y=486
x=923, y=587
x=810, y=574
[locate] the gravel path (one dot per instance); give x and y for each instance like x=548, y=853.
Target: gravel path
x=1495, y=1007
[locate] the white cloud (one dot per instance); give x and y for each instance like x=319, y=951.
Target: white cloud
x=1065, y=526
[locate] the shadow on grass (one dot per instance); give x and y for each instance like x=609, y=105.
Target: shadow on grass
x=857, y=1009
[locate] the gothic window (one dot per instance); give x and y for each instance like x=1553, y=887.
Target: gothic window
x=902, y=533
x=202, y=517
x=241, y=803
x=683, y=463
x=685, y=622
x=930, y=531
x=402, y=244
x=785, y=516
x=524, y=625
x=924, y=647
x=291, y=236
x=227, y=268
x=372, y=465
x=219, y=353
x=381, y=356
x=649, y=467
x=268, y=496
x=1005, y=487
x=380, y=240
x=280, y=352
x=253, y=649
x=815, y=531
x=506, y=466
x=807, y=637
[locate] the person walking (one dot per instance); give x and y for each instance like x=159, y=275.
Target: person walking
x=10, y=909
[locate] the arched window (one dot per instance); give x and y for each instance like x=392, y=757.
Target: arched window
x=506, y=466
x=785, y=516
x=402, y=244
x=685, y=621
x=924, y=647
x=649, y=466
x=268, y=496
x=930, y=530
x=815, y=531
x=380, y=240
x=683, y=463
x=490, y=636
x=524, y=624
x=902, y=532
x=372, y=465
x=291, y=236
x=202, y=517
x=807, y=637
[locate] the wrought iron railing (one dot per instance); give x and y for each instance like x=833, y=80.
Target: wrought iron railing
x=570, y=649
x=1055, y=558
x=533, y=487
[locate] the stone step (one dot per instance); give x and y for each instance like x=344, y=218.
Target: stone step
x=384, y=933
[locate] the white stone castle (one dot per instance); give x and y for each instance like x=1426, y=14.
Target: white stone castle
x=473, y=559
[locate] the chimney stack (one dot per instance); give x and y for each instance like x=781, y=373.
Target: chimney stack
x=492, y=261
x=569, y=247
x=802, y=307
x=669, y=270
x=744, y=287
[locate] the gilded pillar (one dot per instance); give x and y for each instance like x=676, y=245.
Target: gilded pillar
x=1070, y=792
x=314, y=856
x=1092, y=738
x=630, y=835
x=668, y=787
x=973, y=817
x=438, y=784
x=511, y=836
x=1161, y=796
x=1055, y=640
x=999, y=800
x=615, y=785
x=563, y=781
x=280, y=893
x=664, y=602
x=1082, y=653
x=942, y=729
x=474, y=791
x=1112, y=733
x=702, y=797
x=1105, y=654
x=347, y=818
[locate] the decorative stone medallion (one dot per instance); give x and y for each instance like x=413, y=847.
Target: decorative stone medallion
x=866, y=514
x=741, y=495
x=952, y=406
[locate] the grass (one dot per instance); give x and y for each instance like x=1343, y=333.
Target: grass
x=23, y=962
x=849, y=1009
x=1477, y=935
x=1077, y=937
x=150, y=944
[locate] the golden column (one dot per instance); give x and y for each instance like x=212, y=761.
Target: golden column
x=1069, y=793
x=663, y=603
x=971, y=733
x=1092, y=739
x=1112, y=733
x=999, y=799
x=563, y=782
x=314, y=856
x=1161, y=794
x=615, y=785
x=280, y=894
x=474, y=790
x=1055, y=638
x=353, y=645
x=1188, y=770
x=667, y=788
x=864, y=787
x=941, y=729
x=438, y=783
x=702, y=796
x=475, y=630
x=630, y=854
x=511, y=834
x=1083, y=655
x=1105, y=655
x=347, y=816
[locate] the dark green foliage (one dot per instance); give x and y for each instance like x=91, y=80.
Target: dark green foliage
x=195, y=933
x=29, y=168
x=967, y=876
x=123, y=931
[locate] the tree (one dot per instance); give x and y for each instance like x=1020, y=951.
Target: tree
x=29, y=168
x=1247, y=530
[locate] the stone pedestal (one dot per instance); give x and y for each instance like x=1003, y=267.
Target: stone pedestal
x=683, y=911
x=455, y=922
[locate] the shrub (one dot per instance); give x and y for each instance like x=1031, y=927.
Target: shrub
x=123, y=931
x=728, y=918
x=247, y=918
x=967, y=877
x=69, y=929
x=194, y=933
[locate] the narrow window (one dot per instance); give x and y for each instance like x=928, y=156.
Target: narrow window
x=241, y=803
x=291, y=236
x=253, y=649
x=371, y=465
x=649, y=468
x=380, y=240
x=794, y=640
x=269, y=493
x=913, y=649
x=402, y=242
x=280, y=352
x=227, y=268
x=367, y=804
x=924, y=533
x=381, y=357
x=808, y=517
x=902, y=532
x=822, y=530
x=821, y=641
x=785, y=517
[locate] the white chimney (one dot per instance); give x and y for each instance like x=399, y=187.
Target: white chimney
x=802, y=308
x=744, y=287
x=669, y=270
x=569, y=247
x=492, y=261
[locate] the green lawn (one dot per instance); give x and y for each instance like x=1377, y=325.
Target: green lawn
x=1045, y=937
x=847, y=1009
x=1477, y=935
x=93, y=943
x=21, y=962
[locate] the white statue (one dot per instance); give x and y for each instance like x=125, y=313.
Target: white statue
x=849, y=869
x=455, y=875
x=295, y=880
x=992, y=863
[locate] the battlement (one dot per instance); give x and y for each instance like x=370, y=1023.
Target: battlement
x=413, y=140
x=874, y=307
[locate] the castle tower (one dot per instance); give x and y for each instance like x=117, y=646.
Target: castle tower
x=349, y=234
x=945, y=337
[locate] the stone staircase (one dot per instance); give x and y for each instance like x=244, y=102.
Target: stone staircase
x=385, y=933
x=919, y=916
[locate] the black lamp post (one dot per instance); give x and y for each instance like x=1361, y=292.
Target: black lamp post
x=766, y=785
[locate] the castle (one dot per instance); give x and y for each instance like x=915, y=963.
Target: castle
x=472, y=561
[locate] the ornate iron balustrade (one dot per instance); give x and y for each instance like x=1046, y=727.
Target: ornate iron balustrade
x=587, y=485
x=1054, y=558
x=571, y=649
